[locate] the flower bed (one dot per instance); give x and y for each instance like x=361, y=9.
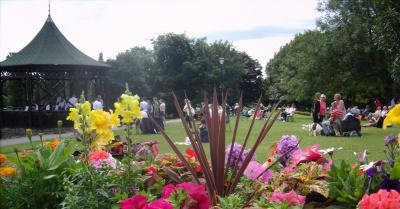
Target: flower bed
x=118, y=172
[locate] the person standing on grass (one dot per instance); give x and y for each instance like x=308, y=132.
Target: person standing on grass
x=315, y=110
x=156, y=112
x=322, y=107
x=339, y=102
x=188, y=110
x=162, y=110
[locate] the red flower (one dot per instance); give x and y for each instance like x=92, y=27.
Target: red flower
x=159, y=204
x=167, y=190
x=179, y=164
x=135, y=202
x=190, y=153
x=361, y=171
x=382, y=200
x=199, y=169
x=98, y=155
x=197, y=194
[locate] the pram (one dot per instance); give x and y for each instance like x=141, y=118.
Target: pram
x=350, y=126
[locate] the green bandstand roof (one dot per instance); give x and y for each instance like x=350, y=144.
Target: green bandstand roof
x=50, y=49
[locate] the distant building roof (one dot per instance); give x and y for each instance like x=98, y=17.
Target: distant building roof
x=51, y=48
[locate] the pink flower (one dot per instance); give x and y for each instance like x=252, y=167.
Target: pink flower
x=254, y=169
x=135, y=202
x=167, y=190
x=197, y=193
x=100, y=158
x=382, y=200
x=152, y=171
x=291, y=197
x=310, y=154
x=155, y=149
x=159, y=204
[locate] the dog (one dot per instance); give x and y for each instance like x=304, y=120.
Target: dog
x=313, y=132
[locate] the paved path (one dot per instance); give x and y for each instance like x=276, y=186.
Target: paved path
x=20, y=140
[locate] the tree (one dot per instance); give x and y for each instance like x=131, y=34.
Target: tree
x=342, y=56
x=133, y=67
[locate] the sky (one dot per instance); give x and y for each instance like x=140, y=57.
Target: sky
x=258, y=27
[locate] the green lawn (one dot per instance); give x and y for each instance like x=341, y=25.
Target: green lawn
x=371, y=140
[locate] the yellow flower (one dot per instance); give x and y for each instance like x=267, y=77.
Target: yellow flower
x=114, y=119
x=3, y=158
x=102, y=122
x=86, y=107
x=79, y=114
x=393, y=117
x=7, y=171
x=128, y=108
x=102, y=139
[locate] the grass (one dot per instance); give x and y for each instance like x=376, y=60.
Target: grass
x=371, y=140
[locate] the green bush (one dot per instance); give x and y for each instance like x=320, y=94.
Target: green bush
x=39, y=184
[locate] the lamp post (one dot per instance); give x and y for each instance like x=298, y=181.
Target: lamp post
x=221, y=62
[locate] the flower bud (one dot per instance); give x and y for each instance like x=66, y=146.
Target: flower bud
x=28, y=132
x=59, y=123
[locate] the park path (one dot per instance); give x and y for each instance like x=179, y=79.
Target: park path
x=21, y=140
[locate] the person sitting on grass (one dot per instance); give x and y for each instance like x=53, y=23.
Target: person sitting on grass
x=372, y=120
x=290, y=112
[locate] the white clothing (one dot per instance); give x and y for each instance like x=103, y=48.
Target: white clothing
x=383, y=113
x=144, y=114
x=143, y=105
x=97, y=105
x=47, y=107
x=72, y=101
x=186, y=110
x=290, y=110
x=162, y=107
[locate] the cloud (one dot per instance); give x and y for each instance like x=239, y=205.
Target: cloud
x=112, y=26
x=263, y=49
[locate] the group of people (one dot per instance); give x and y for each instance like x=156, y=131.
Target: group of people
x=375, y=119
x=339, y=117
x=339, y=120
x=155, y=108
x=62, y=105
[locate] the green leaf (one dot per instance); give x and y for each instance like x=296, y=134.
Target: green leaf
x=395, y=172
x=49, y=176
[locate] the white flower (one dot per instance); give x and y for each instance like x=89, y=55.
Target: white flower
x=361, y=156
x=367, y=166
x=330, y=150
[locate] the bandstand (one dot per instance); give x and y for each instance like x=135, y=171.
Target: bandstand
x=49, y=67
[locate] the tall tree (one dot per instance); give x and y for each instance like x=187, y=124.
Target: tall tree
x=133, y=67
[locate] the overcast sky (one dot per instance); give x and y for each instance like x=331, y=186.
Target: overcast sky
x=259, y=27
